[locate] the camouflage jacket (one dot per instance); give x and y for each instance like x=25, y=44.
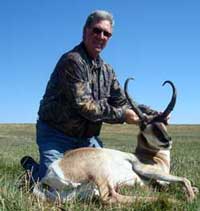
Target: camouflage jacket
x=81, y=94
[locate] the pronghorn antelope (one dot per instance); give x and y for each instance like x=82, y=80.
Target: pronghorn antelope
x=106, y=170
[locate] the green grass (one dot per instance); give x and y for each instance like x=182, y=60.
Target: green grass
x=17, y=140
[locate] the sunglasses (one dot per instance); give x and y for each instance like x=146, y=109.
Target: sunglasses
x=98, y=31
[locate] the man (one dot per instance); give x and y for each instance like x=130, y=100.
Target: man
x=82, y=93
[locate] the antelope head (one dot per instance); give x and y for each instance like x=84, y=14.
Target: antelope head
x=154, y=129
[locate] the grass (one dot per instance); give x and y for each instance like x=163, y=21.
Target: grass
x=18, y=140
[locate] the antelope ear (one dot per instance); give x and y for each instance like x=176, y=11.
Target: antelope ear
x=159, y=118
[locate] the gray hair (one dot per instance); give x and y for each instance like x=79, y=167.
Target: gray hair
x=97, y=16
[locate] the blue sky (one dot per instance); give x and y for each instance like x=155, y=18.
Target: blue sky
x=152, y=41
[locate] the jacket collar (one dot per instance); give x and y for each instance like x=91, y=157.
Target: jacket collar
x=95, y=63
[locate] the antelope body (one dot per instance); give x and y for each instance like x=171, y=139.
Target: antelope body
x=102, y=171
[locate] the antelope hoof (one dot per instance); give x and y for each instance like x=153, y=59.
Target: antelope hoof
x=195, y=190
x=189, y=190
x=191, y=196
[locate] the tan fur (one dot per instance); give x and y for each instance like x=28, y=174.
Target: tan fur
x=85, y=160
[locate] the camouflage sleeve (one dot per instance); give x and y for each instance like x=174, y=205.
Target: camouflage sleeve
x=117, y=97
x=75, y=84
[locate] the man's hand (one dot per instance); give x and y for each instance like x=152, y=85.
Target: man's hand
x=131, y=117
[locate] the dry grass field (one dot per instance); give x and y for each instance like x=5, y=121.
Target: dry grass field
x=17, y=140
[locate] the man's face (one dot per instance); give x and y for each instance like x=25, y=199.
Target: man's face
x=97, y=36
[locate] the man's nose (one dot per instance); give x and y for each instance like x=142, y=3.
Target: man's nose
x=102, y=36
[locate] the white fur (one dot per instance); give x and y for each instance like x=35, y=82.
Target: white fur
x=55, y=178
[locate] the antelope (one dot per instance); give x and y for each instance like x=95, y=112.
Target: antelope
x=102, y=171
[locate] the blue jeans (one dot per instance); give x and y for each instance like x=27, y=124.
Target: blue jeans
x=52, y=144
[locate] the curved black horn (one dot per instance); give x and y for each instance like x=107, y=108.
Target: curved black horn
x=131, y=102
x=172, y=102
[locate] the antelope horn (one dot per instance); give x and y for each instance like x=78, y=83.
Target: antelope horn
x=131, y=102
x=172, y=102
